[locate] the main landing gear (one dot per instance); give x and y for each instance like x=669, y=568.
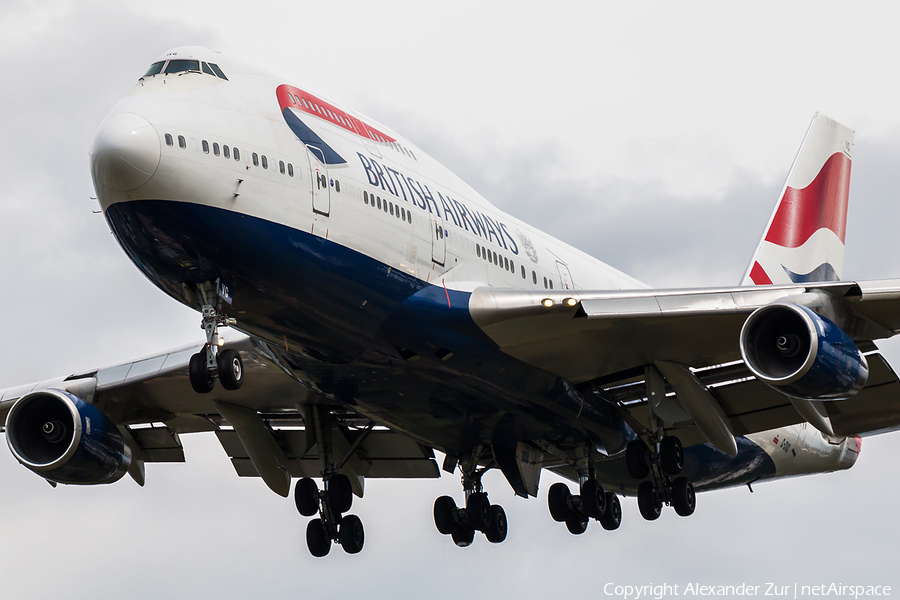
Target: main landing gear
x=332, y=525
x=477, y=515
x=663, y=465
x=209, y=364
x=592, y=503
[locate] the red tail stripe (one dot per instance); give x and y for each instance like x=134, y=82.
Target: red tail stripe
x=759, y=275
x=823, y=203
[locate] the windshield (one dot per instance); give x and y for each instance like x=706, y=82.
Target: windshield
x=155, y=68
x=177, y=66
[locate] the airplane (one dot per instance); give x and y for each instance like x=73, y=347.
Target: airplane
x=362, y=308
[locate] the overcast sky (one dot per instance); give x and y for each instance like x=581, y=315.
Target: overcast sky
x=655, y=136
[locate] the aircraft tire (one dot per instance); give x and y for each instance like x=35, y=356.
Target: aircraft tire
x=231, y=369
x=576, y=523
x=306, y=497
x=558, y=501
x=339, y=493
x=593, y=499
x=351, y=534
x=317, y=539
x=496, y=533
x=445, y=514
x=637, y=459
x=649, y=501
x=671, y=455
x=612, y=516
x=684, y=498
x=478, y=511
x=463, y=535
x=201, y=380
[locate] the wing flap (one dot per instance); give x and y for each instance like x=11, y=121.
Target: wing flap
x=382, y=455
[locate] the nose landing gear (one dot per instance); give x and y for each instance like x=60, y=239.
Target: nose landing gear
x=209, y=364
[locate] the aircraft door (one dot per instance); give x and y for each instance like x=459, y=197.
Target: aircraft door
x=320, y=189
x=564, y=276
x=438, y=240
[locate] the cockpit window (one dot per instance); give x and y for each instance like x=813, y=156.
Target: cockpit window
x=217, y=71
x=177, y=66
x=154, y=68
x=206, y=69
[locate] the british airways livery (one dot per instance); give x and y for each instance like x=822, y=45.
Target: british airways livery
x=378, y=309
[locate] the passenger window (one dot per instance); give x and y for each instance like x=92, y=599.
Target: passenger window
x=379, y=201
x=366, y=197
x=206, y=69
x=523, y=272
x=391, y=205
x=512, y=267
x=534, y=277
x=478, y=250
x=506, y=263
x=237, y=154
x=181, y=142
x=205, y=147
x=551, y=284
x=403, y=213
x=226, y=152
x=545, y=283
x=154, y=68
x=255, y=158
x=180, y=65
x=265, y=162
x=169, y=141
x=216, y=148
x=217, y=71
x=281, y=168
x=290, y=170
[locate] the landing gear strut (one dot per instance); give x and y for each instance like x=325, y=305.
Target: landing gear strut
x=209, y=363
x=333, y=525
x=477, y=515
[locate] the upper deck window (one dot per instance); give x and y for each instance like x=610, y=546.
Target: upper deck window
x=154, y=68
x=181, y=65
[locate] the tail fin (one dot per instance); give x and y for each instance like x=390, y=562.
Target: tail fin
x=804, y=240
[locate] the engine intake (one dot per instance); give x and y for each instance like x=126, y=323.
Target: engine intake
x=801, y=353
x=66, y=440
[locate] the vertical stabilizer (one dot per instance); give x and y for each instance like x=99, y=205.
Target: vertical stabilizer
x=804, y=240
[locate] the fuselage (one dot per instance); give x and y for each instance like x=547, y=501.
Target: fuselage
x=350, y=253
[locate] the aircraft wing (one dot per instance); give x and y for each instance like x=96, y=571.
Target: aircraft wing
x=605, y=340
x=152, y=401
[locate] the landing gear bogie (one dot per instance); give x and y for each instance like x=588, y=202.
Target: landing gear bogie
x=478, y=514
x=576, y=511
x=331, y=526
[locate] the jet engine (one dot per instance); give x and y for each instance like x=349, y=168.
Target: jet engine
x=801, y=353
x=64, y=439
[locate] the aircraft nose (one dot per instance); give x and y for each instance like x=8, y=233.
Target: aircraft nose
x=125, y=152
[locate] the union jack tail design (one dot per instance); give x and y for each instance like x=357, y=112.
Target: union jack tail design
x=804, y=240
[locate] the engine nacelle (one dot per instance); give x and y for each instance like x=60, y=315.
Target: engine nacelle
x=801, y=353
x=64, y=439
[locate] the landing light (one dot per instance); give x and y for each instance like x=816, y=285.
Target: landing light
x=547, y=302
x=570, y=301
x=221, y=341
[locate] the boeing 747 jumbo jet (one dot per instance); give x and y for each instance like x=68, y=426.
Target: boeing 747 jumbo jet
x=382, y=309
